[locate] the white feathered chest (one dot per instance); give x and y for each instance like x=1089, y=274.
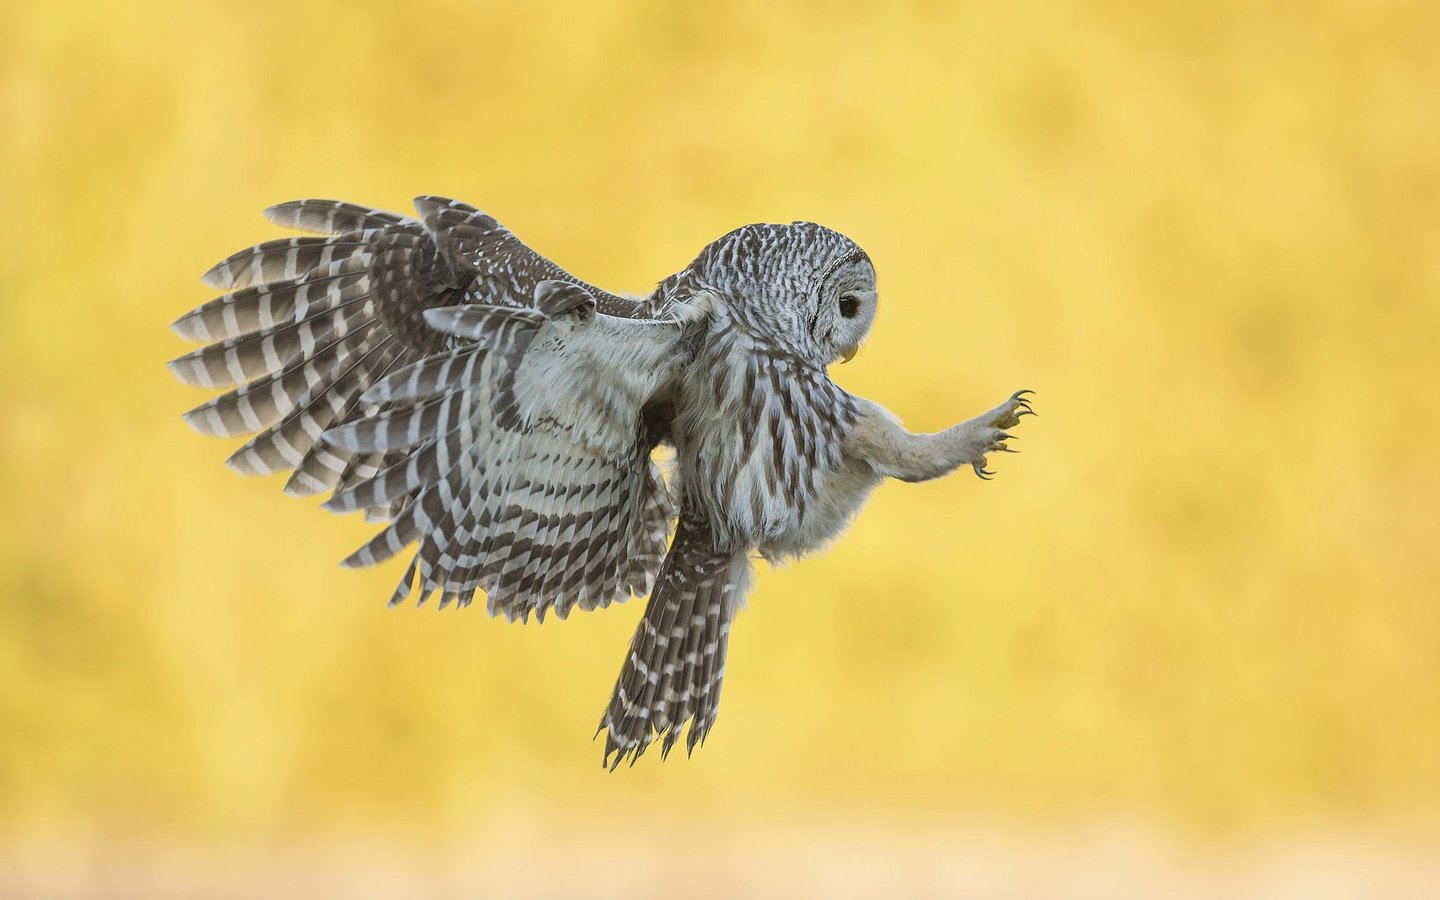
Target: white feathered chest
x=757, y=433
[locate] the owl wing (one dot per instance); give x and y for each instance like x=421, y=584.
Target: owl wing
x=439, y=373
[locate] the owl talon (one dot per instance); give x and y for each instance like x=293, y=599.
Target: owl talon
x=990, y=432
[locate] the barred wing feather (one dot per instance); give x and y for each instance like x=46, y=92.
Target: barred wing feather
x=528, y=460
x=437, y=373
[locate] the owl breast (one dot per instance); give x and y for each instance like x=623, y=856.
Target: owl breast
x=842, y=492
x=758, y=443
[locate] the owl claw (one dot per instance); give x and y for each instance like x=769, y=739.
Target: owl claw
x=991, y=431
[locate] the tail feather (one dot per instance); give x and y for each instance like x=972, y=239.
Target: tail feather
x=685, y=680
x=675, y=665
x=710, y=661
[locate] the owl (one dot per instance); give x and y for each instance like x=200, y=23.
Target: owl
x=503, y=418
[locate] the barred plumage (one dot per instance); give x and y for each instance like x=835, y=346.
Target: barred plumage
x=676, y=663
x=501, y=417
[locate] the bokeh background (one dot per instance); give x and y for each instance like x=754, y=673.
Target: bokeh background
x=1187, y=644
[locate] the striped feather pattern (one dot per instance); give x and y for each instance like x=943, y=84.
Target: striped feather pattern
x=304, y=330
x=286, y=259
x=519, y=473
x=675, y=666
x=559, y=509
x=268, y=306
x=504, y=270
x=402, y=428
x=333, y=217
x=430, y=377
x=765, y=460
x=492, y=326
x=375, y=515
x=323, y=467
x=285, y=444
x=260, y=403
x=513, y=541
x=247, y=358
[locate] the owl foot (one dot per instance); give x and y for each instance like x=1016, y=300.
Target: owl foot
x=988, y=432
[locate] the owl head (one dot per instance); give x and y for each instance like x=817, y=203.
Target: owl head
x=802, y=285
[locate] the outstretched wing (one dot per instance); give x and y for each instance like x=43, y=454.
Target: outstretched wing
x=512, y=409
x=527, y=469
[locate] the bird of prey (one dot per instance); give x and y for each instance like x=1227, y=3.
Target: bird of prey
x=503, y=417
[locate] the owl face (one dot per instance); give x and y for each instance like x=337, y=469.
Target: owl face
x=845, y=308
x=808, y=287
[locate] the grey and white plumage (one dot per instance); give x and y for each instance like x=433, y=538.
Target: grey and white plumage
x=502, y=416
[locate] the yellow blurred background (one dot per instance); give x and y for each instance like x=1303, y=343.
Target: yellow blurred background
x=1190, y=639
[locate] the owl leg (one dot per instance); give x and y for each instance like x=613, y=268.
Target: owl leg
x=879, y=440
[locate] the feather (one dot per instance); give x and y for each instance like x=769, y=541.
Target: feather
x=562, y=298
x=502, y=328
x=324, y=466
x=286, y=259
x=268, y=306
x=285, y=444
x=675, y=664
x=262, y=402
x=332, y=216
x=407, y=426
x=430, y=377
x=396, y=537
x=247, y=358
x=399, y=480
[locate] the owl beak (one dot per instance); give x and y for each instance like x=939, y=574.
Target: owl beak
x=849, y=354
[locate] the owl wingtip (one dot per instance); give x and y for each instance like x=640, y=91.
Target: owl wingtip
x=214, y=276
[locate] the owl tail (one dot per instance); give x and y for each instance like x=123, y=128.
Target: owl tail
x=676, y=662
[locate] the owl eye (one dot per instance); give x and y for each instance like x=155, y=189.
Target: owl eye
x=849, y=306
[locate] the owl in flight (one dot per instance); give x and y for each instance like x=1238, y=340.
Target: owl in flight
x=501, y=415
